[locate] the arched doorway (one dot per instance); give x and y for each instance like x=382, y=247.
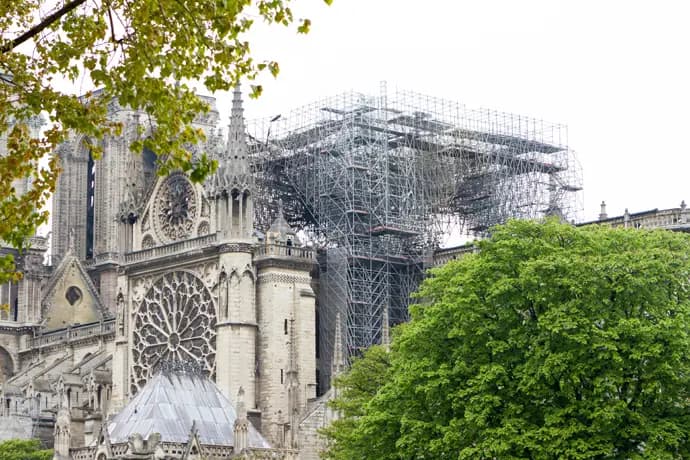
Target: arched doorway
x=6, y=365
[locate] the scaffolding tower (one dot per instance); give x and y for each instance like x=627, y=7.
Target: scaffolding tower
x=374, y=181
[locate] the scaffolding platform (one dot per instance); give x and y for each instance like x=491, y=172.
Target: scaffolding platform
x=386, y=229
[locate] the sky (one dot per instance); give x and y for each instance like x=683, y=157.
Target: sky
x=617, y=73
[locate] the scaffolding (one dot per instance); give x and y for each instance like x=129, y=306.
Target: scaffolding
x=374, y=181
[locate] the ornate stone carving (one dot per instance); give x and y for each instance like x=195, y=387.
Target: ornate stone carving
x=120, y=301
x=209, y=273
x=205, y=208
x=175, y=321
x=284, y=278
x=141, y=286
x=176, y=208
x=145, y=222
x=147, y=242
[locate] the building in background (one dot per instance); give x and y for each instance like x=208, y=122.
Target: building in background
x=675, y=219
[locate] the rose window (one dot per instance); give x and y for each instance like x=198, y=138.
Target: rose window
x=175, y=322
x=176, y=207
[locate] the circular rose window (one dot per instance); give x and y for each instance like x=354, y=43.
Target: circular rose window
x=175, y=322
x=175, y=208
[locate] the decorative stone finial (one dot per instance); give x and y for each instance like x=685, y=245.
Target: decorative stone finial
x=70, y=241
x=338, y=364
x=385, y=330
x=241, y=428
x=602, y=214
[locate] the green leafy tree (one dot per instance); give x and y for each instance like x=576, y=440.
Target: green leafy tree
x=354, y=389
x=135, y=51
x=551, y=342
x=24, y=449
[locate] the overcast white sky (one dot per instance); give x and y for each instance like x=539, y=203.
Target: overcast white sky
x=616, y=72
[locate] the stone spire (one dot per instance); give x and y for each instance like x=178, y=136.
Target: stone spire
x=602, y=214
x=235, y=157
x=338, y=365
x=280, y=230
x=241, y=428
x=62, y=431
x=232, y=186
x=293, y=388
x=385, y=331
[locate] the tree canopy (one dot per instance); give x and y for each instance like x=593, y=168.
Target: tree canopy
x=551, y=342
x=24, y=449
x=144, y=53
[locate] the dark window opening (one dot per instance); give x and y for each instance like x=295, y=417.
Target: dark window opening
x=285, y=327
x=73, y=295
x=90, y=214
x=149, y=163
x=281, y=376
x=317, y=335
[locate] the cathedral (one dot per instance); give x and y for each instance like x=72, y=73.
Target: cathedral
x=159, y=322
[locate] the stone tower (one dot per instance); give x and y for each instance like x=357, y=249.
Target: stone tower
x=231, y=193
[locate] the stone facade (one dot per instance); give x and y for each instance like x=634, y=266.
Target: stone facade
x=674, y=219
x=145, y=270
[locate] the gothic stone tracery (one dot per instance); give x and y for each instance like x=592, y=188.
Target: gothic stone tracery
x=175, y=321
x=176, y=208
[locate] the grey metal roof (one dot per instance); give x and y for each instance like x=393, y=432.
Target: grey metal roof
x=170, y=403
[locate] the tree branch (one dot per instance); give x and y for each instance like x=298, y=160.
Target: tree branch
x=38, y=28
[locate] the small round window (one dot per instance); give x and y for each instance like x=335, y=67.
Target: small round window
x=73, y=295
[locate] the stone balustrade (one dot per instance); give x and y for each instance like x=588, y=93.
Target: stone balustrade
x=74, y=333
x=83, y=453
x=677, y=219
x=283, y=250
x=38, y=242
x=172, y=248
x=443, y=256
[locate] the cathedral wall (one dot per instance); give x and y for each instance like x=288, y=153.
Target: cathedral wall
x=236, y=328
x=70, y=200
x=310, y=441
x=110, y=176
x=8, y=359
x=280, y=301
x=120, y=375
x=305, y=331
x=15, y=427
x=236, y=361
x=275, y=308
x=108, y=289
